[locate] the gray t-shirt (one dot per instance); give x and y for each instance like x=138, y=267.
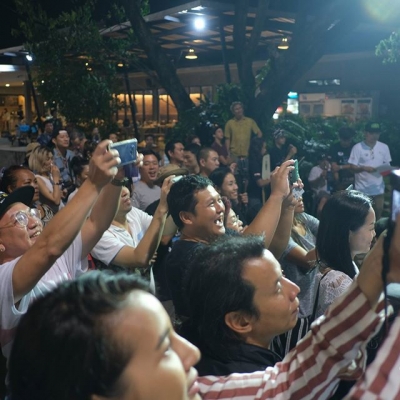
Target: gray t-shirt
x=143, y=195
x=304, y=279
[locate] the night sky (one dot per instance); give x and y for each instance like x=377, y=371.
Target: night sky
x=9, y=19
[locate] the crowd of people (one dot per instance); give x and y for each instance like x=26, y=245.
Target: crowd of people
x=114, y=280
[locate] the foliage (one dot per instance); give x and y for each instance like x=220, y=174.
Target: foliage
x=201, y=120
x=389, y=49
x=74, y=66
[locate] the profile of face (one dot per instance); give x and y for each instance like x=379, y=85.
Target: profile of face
x=113, y=137
x=125, y=204
x=177, y=153
x=280, y=141
x=361, y=239
x=196, y=140
x=219, y=134
x=161, y=365
x=83, y=175
x=189, y=160
x=233, y=222
x=16, y=239
x=229, y=187
x=48, y=162
x=299, y=207
x=210, y=163
x=275, y=298
x=149, y=169
x=61, y=141
x=208, y=218
x=238, y=111
x=26, y=177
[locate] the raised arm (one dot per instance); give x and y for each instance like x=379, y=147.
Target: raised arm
x=267, y=219
x=55, y=195
x=66, y=224
x=140, y=256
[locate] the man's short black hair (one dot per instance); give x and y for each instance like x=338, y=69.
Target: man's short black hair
x=182, y=196
x=194, y=148
x=346, y=133
x=214, y=286
x=149, y=152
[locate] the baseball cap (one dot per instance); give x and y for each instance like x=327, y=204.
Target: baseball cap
x=279, y=133
x=23, y=195
x=168, y=170
x=373, y=127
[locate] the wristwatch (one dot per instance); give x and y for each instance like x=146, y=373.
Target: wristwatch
x=119, y=182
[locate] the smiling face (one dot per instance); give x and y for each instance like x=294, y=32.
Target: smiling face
x=149, y=169
x=230, y=187
x=361, y=239
x=27, y=178
x=207, y=221
x=17, y=239
x=161, y=365
x=275, y=298
x=233, y=222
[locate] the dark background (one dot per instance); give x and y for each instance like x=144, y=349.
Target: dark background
x=9, y=18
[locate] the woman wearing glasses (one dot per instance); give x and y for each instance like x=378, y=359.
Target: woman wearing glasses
x=17, y=176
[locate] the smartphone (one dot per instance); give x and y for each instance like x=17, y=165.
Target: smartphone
x=294, y=175
x=395, y=183
x=176, y=178
x=127, y=151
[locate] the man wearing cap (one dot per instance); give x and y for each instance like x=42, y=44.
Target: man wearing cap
x=33, y=262
x=279, y=153
x=367, y=159
x=145, y=191
x=238, y=131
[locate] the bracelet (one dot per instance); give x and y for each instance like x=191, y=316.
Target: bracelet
x=57, y=183
x=119, y=182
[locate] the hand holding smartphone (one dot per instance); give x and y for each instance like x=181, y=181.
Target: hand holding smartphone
x=127, y=151
x=294, y=175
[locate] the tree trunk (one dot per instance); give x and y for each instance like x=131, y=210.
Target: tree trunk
x=160, y=62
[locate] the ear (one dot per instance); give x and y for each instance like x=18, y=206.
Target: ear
x=239, y=322
x=202, y=162
x=53, y=140
x=186, y=217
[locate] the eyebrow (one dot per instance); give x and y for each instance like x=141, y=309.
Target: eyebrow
x=162, y=338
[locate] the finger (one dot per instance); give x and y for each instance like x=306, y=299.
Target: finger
x=102, y=147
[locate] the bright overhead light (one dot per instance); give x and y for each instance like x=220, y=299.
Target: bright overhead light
x=199, y=23
x=29, y=57
x=284, y=44
x=191, y=54
x=120, y=65
x=7, y=85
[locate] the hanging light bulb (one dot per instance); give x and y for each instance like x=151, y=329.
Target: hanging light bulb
x=284, y=44
x=191, y=54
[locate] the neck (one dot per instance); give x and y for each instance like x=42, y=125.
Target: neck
x=370, y=144
x=193, y=238
x=219, y=141
x=264, y=343
x=150, y=184
x=203, y=173
x=61, y=150
x=120, y=220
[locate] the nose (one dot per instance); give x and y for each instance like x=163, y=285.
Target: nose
x=293, y=289
x=188, y=353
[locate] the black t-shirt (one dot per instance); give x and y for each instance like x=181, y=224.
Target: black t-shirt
x=340, y=155
x=176, y=264
x=277, y=156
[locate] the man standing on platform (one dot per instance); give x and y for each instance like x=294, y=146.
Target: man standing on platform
x=367, y=159
x=238, y=131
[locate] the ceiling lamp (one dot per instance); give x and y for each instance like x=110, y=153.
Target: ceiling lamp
x=191, y=54
x=284, y=44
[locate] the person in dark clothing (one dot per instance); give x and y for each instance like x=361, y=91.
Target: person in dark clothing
x=280, y=152
x=340, y=154
x=255, y=304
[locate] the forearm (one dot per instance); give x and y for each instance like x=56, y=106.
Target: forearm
x=301, y=257
x=283, y=231
x=267, y=219
x=101, y=216
x=228, y=145
x=357, y=168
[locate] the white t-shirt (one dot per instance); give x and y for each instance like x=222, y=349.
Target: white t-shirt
x=67, y=267
x=363, y=155
x=144, y=195
x=115, y=238
x=315, y=173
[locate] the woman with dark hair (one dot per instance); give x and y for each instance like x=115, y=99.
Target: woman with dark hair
x=346, y=228
x=219, y=146
x=17, y=176
x=225, y=184
x=80, y=168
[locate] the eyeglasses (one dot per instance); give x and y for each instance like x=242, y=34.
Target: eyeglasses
x=21, y=218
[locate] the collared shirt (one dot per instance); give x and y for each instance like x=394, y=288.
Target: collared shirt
x=63, y=164
x=333, y=349
x=239, y=133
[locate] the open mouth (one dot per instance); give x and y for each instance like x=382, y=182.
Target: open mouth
x=36, y=234
x=220, y=221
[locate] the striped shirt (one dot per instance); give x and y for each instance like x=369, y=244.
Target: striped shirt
x=334, y=349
